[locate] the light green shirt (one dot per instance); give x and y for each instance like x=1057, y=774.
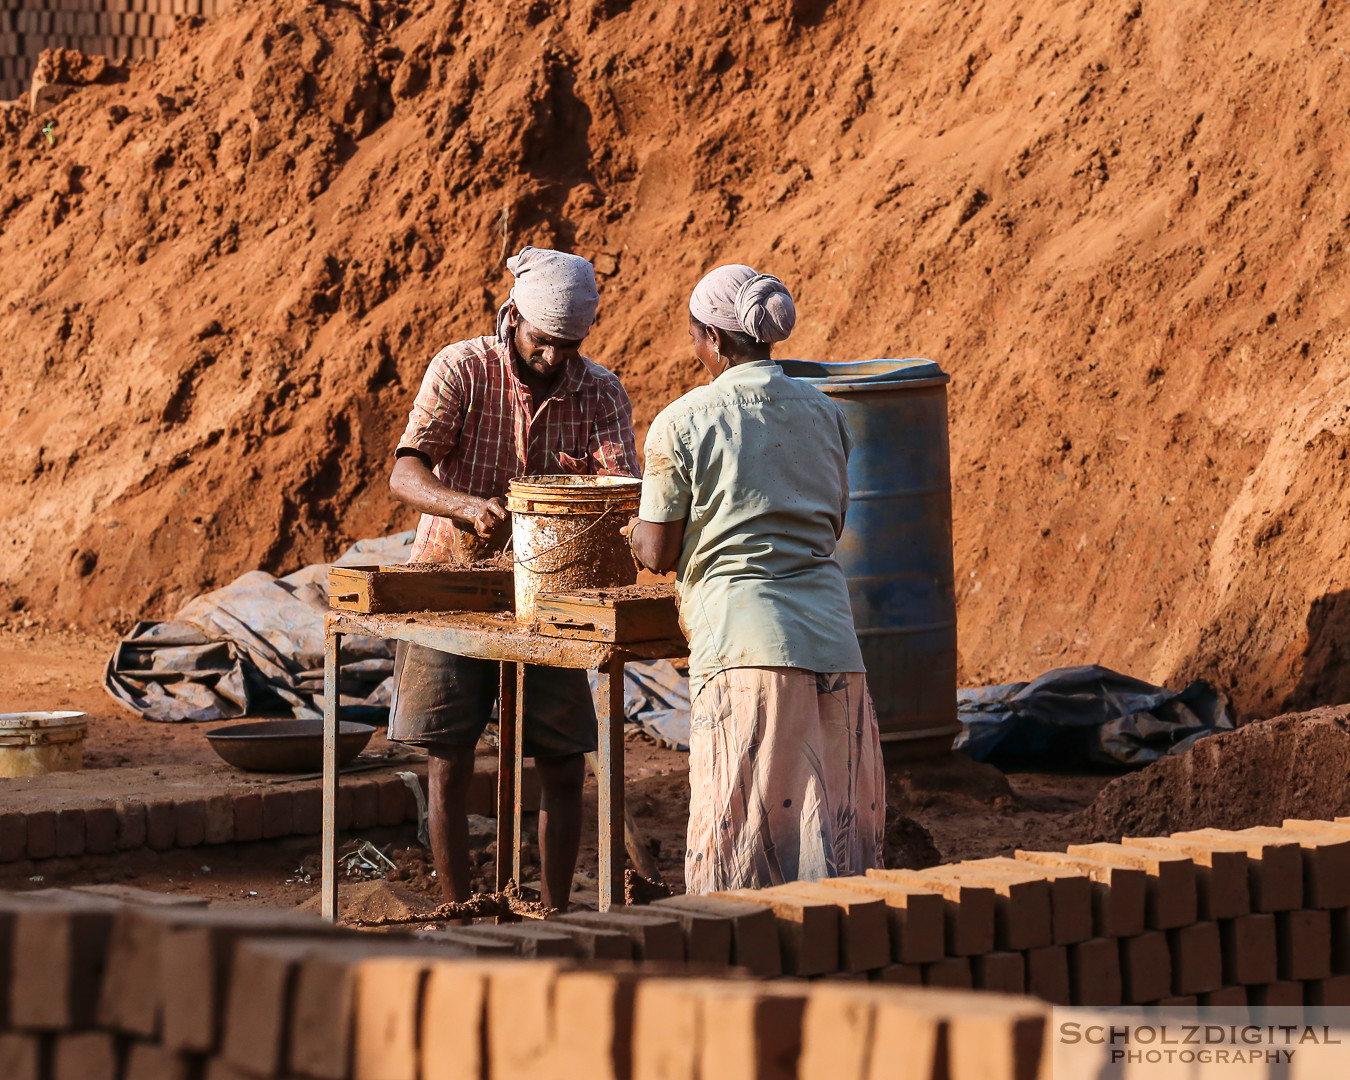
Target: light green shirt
x=757, y=462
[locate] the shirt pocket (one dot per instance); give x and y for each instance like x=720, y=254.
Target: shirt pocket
x=569, y=465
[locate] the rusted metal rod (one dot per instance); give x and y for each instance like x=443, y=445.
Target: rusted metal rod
x=609, y=779
x=508, y=751
x=332, y=706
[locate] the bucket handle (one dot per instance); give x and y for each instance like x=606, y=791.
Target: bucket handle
x=563, y=543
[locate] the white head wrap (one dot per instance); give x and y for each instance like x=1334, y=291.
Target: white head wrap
x=735, y=297
x=554, y=291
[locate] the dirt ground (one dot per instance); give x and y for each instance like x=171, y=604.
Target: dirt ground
x=969, y=810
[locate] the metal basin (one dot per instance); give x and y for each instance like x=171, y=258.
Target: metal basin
x=285, y=746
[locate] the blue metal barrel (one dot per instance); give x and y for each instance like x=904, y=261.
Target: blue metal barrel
x=896, y=550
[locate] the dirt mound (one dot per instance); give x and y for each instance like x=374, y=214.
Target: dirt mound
x=1291, y=767
x=375, y=902
x=907, y=845
x=1118, y=225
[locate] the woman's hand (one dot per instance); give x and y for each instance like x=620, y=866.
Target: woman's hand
x=655, y=544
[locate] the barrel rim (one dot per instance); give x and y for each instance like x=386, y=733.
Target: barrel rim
x=879, y=369
x=898, y=386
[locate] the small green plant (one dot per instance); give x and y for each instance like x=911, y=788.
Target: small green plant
x=49, y=130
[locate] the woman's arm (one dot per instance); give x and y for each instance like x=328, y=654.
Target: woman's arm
x=656, y=544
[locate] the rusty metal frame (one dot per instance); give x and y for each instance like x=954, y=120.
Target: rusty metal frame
x=508, y=783
x=332, y=664
x=609, y=780
x=491, y=637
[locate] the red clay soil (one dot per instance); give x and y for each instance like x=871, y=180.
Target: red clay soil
x=1290, y=767
x=1119, y=226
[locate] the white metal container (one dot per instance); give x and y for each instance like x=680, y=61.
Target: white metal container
x=36, y=743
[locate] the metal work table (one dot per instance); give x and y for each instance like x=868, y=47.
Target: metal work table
x=497, y=637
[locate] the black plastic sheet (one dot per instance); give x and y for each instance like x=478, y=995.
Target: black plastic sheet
x=1088, y=714
x=255, y=646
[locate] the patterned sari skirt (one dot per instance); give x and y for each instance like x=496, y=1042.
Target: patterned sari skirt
x=786, y=779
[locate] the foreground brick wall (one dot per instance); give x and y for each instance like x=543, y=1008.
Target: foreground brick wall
x=102, y=989
x=117, y=29
x=112, y=984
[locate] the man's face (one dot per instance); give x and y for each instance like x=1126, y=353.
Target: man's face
x=542, y=357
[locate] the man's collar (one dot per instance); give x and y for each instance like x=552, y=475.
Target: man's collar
x=573, y=376
x=744, y=368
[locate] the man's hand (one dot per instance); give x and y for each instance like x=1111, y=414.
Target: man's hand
x=490, y=514
x=414, y=482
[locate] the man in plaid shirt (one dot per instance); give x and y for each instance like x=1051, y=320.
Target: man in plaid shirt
x=522, y=402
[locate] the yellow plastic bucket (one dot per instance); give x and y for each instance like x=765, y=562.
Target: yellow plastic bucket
x=36, y=743
x=565, y=534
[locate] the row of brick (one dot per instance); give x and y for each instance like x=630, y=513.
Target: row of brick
x=223, y=817
x=117, y=7
x=85, y=25
x=105, y=990
x=114, y=47
x=102, y=990
x=891, y=927
x=1258, y=915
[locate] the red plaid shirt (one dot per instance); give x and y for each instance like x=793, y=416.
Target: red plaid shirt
x=475, y=420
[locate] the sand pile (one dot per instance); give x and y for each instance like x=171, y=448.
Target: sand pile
x=1119, y=225
x=375, y=902
x=1295, y=766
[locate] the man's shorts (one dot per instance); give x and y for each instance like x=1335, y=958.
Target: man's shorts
x=441, y=699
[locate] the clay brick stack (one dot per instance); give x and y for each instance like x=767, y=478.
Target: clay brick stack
x=1257, y=916
x=117, y=29
x=143, y=988
x=793, y=981
x=49, y=822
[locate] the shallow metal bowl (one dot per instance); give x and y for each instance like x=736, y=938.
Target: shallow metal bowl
x=285, y=746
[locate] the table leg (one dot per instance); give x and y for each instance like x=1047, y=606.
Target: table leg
x=508, y=790
x=518, y=769
x=332, y=662
x=610, y=782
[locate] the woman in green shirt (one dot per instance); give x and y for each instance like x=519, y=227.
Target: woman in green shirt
x=744, y=495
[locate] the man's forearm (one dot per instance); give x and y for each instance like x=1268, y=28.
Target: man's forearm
x=413, y=482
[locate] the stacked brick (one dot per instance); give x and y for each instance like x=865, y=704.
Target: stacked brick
x=104, y=988
x=797, y=981
x=1256, y=916
x=222, y=815
x=114, y=28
